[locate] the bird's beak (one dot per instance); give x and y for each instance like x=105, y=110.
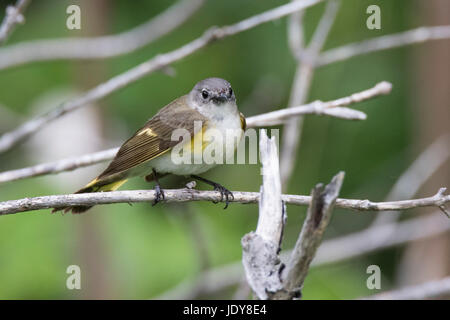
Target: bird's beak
x=221, y=98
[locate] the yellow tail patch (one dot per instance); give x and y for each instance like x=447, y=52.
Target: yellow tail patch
x=112, y=186
x=91, y=184
x=92, y=187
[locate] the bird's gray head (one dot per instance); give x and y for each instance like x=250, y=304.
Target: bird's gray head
x=212, y=90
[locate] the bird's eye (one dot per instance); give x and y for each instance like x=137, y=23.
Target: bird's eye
x=205, y=94
x=230, y=92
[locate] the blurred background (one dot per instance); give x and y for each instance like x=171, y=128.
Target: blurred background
x=142, y=252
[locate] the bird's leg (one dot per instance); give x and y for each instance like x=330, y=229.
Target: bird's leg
x=218, y=187
x=159, y=192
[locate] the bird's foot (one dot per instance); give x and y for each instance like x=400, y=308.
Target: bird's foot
x=159, y=196
x=224, y=192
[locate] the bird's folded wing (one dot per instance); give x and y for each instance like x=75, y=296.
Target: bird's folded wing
x=155, y=137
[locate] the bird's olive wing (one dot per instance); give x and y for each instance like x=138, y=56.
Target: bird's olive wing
x=155, y=137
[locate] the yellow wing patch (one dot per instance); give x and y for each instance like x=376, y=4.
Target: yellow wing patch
x=148, y=132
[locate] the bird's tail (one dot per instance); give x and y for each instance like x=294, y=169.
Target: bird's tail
x=95, y=185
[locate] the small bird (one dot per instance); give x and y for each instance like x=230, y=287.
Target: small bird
x=211, y=103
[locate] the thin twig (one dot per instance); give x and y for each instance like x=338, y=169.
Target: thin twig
x=14, y=16
x=418, y=35
x=428, y=290
x=63, y=165
x=332, y=108
x=8, y=140
x=100, y=47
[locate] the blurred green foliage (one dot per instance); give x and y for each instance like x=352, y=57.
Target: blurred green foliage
x=141, y=251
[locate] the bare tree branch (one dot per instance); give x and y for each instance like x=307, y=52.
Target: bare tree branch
x=14, y=16
x=264, y=271
x=317, y=219
x=428, y=290
x=270, y=227
x=418, y=35
x=67, y=164
x=373, y=239
x=183, y=195
x=260, y=248
x=8, y=140
x=332, y=108
x=100, y=47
